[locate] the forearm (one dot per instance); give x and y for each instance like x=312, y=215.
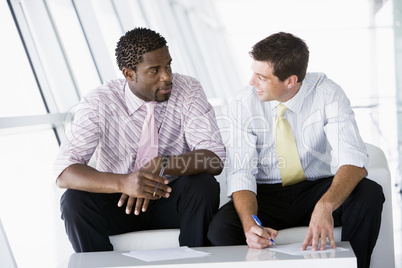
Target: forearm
x=194, y=162
x=246, y=205
x=85, y=178
x=345, y=180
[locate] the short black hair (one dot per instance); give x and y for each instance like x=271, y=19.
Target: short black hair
x=288, y=55
x=134, y=44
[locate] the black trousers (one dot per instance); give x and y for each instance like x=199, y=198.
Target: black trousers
x=90, y=218
x=284, y=207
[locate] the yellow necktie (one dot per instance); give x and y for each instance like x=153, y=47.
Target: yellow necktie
x=286, y=150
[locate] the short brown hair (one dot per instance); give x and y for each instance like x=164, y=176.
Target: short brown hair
x=288, y=55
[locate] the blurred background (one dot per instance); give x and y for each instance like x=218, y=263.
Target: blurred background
x=53, y=51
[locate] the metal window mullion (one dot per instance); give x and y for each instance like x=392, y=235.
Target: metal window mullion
x=193, y=50
x=95, y=40
x=48, y=65
x=205, y=31
x=130, y=14
x=32, y=120
x=154, y=14
x=45, y=54
x=32, y=54
x=218, y=54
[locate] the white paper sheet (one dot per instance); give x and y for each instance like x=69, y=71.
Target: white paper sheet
x=166, y=254
x=294, y=249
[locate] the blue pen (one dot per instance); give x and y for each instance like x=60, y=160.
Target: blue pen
x=257, y=220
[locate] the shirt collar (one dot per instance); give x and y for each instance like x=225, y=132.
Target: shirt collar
x=295, y=103
x=133, y=102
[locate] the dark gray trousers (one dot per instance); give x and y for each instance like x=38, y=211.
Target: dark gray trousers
x=284, y=207
x=90, y=218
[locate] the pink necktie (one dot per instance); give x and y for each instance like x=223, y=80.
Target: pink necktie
x=148, y=144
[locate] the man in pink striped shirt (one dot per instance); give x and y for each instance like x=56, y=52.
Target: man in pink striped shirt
x=107, y=124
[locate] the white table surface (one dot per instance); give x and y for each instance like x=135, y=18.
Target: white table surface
x=231, y=256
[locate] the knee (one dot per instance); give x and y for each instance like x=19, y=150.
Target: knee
x=216, y=228
x=371, y=195
x=71, y=203
x=372, y=191
x=225, y=227
x=204, y=186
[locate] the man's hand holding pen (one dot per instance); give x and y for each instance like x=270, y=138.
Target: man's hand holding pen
x=259, y=236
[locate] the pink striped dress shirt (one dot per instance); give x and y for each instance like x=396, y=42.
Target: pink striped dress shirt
x=108, y=122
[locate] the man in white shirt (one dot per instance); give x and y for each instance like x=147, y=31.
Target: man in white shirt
x=332, y=154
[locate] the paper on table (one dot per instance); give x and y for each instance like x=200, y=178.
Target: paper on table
x=165, y=254
x=294, y=249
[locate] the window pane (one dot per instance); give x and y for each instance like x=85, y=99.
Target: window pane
x=110, y=27
x=29, y=198
x=76, y=48
x=19, y=93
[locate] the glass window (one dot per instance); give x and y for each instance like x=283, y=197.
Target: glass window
x=19, y=94
x=75, y=46
x=110, y=27
x=29, y=198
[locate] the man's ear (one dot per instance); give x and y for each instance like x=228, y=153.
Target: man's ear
x=291, y=81
x=128, y=74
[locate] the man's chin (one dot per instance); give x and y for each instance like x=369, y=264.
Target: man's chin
x=163, y=97
x=263, y=98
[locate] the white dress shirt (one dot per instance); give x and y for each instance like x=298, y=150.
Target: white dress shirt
x=322, y=122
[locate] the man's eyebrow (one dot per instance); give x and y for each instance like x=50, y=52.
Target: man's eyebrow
x=158, y=66
x=170, y=62
x=154, y=67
